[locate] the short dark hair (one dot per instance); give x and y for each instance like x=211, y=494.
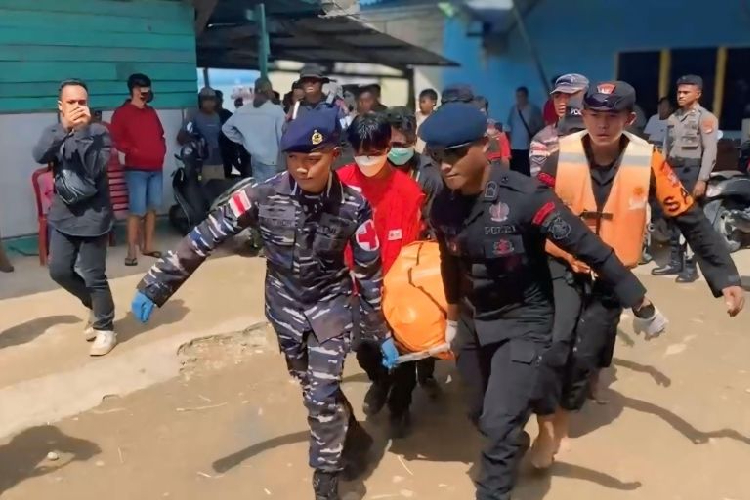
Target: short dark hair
x=72, y=82
x=370, y=131
x=138, y=80
x=429, y=93
x=402, y=119
x=481, y=102
x=524, y=90
x=370, y=89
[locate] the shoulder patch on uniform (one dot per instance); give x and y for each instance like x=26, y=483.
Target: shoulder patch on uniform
x=546, y=179
x=240, y=203
x=708, y=125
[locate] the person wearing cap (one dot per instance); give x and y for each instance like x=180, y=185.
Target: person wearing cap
x=607, y=177
x=258, y=128
x=206, y=121
x=306, y=217
x=568, y=90
x=397, y=202
x=690, y=146
x=491, y=227
x=311, y=79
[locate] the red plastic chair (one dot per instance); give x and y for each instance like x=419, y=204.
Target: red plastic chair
x=43, y=185
x=118, y=188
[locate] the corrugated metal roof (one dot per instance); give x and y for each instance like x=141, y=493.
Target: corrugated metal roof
x=324, y=40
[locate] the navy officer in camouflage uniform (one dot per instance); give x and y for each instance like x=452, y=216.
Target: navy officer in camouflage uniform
x=306, y=217
x=567, y=97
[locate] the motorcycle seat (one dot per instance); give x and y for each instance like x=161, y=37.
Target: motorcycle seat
x=726, y=174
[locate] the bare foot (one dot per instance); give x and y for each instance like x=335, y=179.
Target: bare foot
x=565, y=445
x=595, y=392
x=542, y=452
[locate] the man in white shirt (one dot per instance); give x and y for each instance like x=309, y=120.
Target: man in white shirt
x=656, y=128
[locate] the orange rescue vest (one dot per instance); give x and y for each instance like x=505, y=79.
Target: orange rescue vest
x=622, y=223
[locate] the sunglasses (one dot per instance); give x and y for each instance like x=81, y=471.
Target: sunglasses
x=449, y=155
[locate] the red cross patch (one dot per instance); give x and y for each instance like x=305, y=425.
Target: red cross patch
x=367, y=237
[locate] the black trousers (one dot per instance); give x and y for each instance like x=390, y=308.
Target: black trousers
x=401, y=381
x=519, y=161
x=504, y=380
x=90, y=286
x=689, y=178
x=594, y=332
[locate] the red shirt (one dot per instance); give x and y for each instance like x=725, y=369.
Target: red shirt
x=396, y=203
x=499, y=147
x=138, y=133
x=548, y=113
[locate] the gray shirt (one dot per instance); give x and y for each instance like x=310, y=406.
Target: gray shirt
x=209, y=127
x=87, y=153
x=523, y=129
x=692, y=139
x=258, y=130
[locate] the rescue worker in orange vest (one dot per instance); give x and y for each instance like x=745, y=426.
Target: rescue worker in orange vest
x=607, y=176
x=397, y=202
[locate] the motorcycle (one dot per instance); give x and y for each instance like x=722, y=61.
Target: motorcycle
x=727, y=206
x=195, y=198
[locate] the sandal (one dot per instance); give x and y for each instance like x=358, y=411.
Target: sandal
x=131, y=261
x=155, y=254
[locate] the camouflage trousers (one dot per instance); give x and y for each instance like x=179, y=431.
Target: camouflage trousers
x=318, y=368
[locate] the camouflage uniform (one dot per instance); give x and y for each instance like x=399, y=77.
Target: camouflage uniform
x=308, y=287
x=543, y=144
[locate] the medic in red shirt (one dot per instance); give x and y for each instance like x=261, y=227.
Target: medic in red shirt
x=396, y=202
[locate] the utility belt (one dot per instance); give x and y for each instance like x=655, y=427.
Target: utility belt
x=677, y=162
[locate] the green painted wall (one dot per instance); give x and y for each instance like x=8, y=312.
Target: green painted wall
x=100, y=41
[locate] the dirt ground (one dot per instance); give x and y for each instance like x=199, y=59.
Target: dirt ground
x=232, y=426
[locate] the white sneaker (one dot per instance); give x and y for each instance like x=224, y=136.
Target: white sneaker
x=89, y=331
x=105, y=342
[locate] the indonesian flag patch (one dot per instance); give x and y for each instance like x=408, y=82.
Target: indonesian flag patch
x=240, y=203
x=367, y=237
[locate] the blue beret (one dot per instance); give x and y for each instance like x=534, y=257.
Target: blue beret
x=452, y=125
x=313, y=129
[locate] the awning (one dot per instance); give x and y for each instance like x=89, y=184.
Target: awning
x=322, y=40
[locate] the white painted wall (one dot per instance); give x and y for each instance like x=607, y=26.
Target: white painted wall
x=19, y=133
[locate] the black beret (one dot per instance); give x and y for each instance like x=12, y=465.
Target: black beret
x=453, y=124
x=312, y=130
x=610, y=96
x=690, y=80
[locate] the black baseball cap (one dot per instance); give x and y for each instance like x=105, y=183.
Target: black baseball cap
x=313, y=71
x=570, y=83
x=690, y=80
x=459, y=92
x=610, y=96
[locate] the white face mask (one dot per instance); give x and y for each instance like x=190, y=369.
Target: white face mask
x=371, y=165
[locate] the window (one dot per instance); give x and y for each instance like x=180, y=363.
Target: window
x=641, y=70
x=736, y=97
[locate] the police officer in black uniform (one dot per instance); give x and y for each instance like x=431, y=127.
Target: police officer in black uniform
x=492, y=225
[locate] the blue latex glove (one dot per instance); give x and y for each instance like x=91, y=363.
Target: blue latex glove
x=142, y=307
x=390, y=353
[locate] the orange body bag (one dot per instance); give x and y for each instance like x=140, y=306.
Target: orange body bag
x=413, y=299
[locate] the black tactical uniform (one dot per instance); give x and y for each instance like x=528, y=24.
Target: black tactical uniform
x=494, y=268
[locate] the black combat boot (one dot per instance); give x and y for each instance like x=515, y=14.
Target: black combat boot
x=400, y=424
x=376, y=397
x=326, y=485
x=674, y=266
x=689, y=273
x=356, y=450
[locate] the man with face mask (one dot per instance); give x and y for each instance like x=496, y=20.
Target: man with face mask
x=607, y=177
x=306, y=217
x=397, y=203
